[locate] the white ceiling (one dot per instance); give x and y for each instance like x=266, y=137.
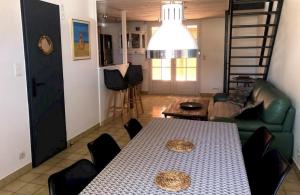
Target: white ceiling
x=149, y=10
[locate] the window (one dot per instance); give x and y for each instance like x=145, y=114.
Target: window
x=186, y=69
x=161, y=69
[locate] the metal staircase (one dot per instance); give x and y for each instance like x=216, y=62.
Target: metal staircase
x=250, y=32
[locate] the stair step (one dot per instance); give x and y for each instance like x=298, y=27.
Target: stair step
x=240, y=88
x=237, y=2
x=254, y=13
x=252, y=37
x=252, y=74
x=250, y=47
x=250, y=5
x=253, y=25
x=231, y=81
x=250, y=56
x=232, y=88
x=247, y=66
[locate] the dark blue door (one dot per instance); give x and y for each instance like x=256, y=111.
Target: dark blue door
x=42, y=42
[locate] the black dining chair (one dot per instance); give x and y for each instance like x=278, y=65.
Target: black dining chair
x=73, y=179
x=133, y=127
x=255, y=148
x=115, y=82
x=270, y=174
x=103, y=150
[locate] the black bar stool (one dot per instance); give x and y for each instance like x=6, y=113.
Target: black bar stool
x=134, y=78
x=114, y=81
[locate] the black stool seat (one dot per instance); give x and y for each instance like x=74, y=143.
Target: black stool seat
x=134, y=75
x=114, y=80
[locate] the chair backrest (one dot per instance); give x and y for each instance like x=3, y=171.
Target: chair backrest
x=114, y=80
x=103, y=150
x=270, y=174
x=255, y=148
x=73, y=179
x=134, y=74
x=133, y=127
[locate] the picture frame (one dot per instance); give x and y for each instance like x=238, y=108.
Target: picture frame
x=81, y=47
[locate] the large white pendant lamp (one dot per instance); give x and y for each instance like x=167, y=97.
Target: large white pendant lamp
x=172, y=39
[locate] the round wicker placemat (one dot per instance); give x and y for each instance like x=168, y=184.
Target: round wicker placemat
x=179, y=145
x=173, y=181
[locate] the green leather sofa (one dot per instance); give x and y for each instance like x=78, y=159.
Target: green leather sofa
x=277, y=114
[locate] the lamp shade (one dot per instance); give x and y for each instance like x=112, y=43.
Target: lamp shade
x=172, y=39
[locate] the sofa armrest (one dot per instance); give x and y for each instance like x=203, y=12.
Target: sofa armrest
x=288, y=122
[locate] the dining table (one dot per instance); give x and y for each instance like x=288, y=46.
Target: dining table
x=215, y=165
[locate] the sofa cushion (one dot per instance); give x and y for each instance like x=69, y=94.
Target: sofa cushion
x=238, y=100
x=220, y=97
x=250, y=111
x=224, y=110
x=275, y=105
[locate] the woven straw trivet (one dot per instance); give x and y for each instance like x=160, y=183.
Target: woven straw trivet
x=173, y=181
x=179, y=145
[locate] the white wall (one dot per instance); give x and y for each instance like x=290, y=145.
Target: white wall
x=212, y=33
x=285, y=66
x=14, y=117
x=80, y=77
x=80, y=82
x=212, y=55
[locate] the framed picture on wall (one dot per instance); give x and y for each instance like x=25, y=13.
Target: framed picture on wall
x=81, y=47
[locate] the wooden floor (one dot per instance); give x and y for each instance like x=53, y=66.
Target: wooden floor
x=35, y=181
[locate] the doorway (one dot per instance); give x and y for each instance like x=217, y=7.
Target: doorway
x=176, y=76
x=42, y=45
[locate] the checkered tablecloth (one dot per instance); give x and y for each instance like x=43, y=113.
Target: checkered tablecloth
x=215, y=166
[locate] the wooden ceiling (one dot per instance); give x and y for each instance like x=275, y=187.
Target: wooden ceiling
x=149, y=10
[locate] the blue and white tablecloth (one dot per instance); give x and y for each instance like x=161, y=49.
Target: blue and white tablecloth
x=215, y=166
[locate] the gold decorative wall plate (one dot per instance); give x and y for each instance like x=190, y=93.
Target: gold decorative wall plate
x=45, y=45
x=173, y=181
x=179, y=145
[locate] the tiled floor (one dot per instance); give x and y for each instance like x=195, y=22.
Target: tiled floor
x=35, y=181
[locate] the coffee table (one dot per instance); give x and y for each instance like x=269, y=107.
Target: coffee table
x=174, y=109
